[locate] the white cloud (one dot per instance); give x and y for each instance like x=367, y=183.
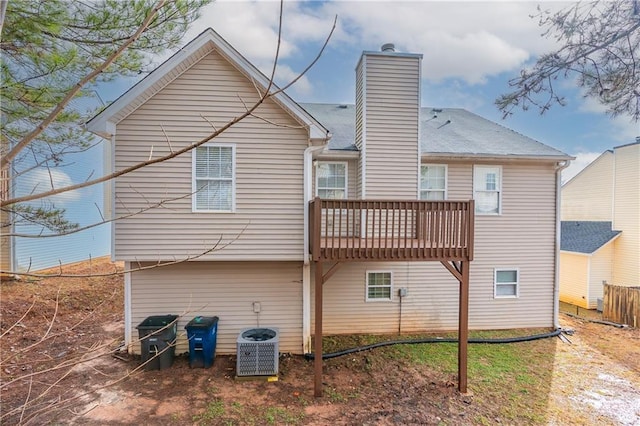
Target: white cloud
x=625, y=131
x=284, y=75
x=583, y=159
x=42, y=180
x=453, y=36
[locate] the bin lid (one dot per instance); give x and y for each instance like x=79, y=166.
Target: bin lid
x=202, y=322
x=157, y=321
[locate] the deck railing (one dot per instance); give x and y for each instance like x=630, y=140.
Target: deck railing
x=391, y=230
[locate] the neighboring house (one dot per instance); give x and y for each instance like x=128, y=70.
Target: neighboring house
x=22, y=248
x=601, y=227
x=7, y=260
x=586, y=261
x=247, y=193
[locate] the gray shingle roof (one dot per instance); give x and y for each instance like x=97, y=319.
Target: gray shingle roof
x=585, y=237
x=339, y=119
x=446, y=131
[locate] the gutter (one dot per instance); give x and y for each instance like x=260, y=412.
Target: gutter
x=492, y=157
x=556, y=275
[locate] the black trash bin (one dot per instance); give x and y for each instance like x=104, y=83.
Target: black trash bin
x=202, y=333
x=158, y=341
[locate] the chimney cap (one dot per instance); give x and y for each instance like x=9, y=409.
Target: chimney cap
x=388, y=47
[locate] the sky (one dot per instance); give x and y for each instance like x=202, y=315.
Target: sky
x=470, y=51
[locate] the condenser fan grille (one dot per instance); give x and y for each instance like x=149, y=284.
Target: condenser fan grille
x=257, y=352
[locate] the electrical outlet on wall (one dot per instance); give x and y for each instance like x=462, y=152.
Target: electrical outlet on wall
x=256, y=307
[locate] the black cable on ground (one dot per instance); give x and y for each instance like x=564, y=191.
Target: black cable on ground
x=611, y=323
x=553, y=333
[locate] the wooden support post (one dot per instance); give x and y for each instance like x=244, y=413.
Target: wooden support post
x=463, y=327
x=317, y=360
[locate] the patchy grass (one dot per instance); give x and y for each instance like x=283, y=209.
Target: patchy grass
x=511, y=381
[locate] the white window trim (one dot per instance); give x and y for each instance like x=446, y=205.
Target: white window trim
x=346, y=176
x=194, y=187
x=446, y=179
x=498, y=190
x=495, y=283
x=366, y=286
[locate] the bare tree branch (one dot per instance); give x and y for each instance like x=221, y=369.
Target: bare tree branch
x=600, y=41
x=6, y=159
x=229, y=124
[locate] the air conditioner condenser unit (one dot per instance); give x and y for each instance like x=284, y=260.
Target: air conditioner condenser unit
x=257, y=352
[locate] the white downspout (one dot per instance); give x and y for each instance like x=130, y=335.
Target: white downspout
x=127, y=308
x=556, y=278
x=109, y=188
x=306, y=265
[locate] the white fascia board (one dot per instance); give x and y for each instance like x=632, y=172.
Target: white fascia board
x=607, y=243
x=338, y=155
x=489, y=157
x=577, y=253
x=103, y=124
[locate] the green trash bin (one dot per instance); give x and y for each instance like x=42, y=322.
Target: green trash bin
x=158, y=341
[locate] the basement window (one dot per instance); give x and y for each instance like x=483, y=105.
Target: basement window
x=379, y=286
x=506, y=282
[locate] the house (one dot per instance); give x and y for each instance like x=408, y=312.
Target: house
x=251, y=195
x=7, y=259
x=27, y=246
x=601, y=227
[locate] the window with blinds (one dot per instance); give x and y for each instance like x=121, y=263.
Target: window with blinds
x=214, y=178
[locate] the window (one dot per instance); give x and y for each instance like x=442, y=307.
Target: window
x=331, y=180
x=379, y=286
x=214, y=178
x=506, y=282
x=433, y=182
x=487, y=189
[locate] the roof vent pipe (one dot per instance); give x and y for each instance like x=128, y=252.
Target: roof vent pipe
x=388, y=47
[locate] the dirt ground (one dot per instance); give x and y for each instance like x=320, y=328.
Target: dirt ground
x=59, y=364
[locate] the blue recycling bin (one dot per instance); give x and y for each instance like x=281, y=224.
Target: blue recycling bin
x=157, y=335
x=202, y=333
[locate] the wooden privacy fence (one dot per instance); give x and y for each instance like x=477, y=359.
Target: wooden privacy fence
x=622, y=304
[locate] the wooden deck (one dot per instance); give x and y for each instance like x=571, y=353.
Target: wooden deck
x=368, y=230
x=387, y=230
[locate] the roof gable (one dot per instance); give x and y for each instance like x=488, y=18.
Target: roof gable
x=105, y=122
x=585, y=236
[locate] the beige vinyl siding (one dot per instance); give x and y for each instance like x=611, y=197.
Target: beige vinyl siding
x=574, y=278
x=268, y=220
x=522, y=237
x=627, y=215
x=431, y=303
x=226, y=290
x=184, y=65
x=601, y=269
x=391, y=99
x=360, y=106
x=589, y=195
